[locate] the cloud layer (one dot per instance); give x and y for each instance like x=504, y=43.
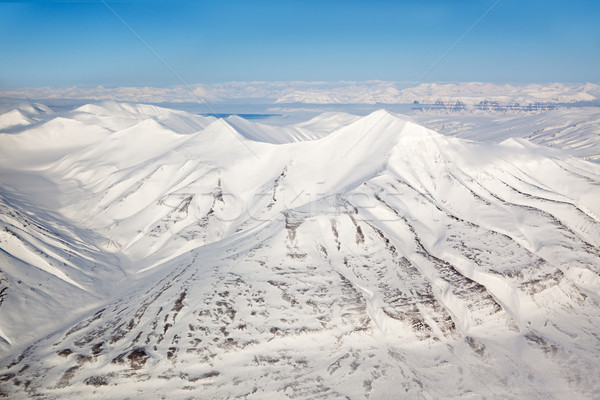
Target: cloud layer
x=345, y=92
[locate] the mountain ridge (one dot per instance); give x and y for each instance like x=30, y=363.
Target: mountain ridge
x=381, y=260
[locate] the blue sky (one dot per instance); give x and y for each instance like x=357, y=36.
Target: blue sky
x=66, y=43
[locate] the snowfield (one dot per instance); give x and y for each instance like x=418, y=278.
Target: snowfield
x=153, y=253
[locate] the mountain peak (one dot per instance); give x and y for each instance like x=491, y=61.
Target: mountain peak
x=250, y=260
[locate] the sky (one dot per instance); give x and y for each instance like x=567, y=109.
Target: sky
x=163, y=43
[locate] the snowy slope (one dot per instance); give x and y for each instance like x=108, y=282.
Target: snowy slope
x=49, y=272
x=574, y=129
x=343, y=257
x=24, y=115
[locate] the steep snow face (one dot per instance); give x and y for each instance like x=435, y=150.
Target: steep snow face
x=344, y=257
x=50, y=274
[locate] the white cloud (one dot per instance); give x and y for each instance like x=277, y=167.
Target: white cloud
x=369, y=92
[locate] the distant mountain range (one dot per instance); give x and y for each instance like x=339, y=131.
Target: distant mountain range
x=469, y=94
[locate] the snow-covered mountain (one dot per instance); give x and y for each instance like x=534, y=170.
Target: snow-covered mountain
x=152, y=253
x=477, y=96
x=576, y=129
